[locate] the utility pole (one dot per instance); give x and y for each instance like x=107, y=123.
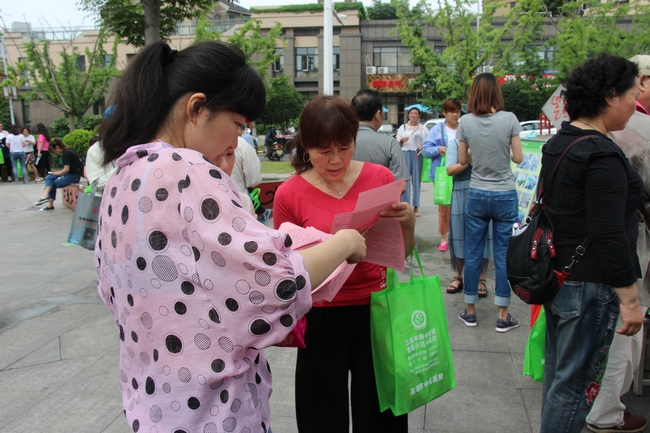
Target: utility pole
x=328, y=42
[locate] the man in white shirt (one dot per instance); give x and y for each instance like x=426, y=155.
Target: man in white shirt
x=247, y=171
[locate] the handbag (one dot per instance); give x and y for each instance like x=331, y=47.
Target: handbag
x=426, y=169
x=85, y=221
x=443, y=185
x=411, y=351
x=531, y=252
x=535, y=348
x=296, y=337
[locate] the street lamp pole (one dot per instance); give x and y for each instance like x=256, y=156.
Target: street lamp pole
x=328, y=41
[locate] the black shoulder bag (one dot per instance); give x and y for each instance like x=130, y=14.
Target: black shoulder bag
x=529, y=260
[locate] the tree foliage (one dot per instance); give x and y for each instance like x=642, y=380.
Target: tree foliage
x=65, y=85
x=315, y=8
x=284, y=103
x=525, y=98
x=143, y=22
x=514, y=44
x=449, y=74
x=259, y=48
x=382, y=11
x=5, y=114
x=79, y=141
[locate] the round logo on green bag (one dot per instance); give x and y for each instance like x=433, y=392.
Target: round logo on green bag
x=419, y=319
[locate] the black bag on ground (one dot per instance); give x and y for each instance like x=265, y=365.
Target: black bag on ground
x=531, y=252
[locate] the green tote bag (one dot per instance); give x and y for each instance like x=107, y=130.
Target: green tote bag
x=443, y=185
x=535, y=347
x=411, y=351
x=426, y=169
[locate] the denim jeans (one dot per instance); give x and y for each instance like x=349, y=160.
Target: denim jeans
x=481, y=207
x=15, y=157
x=414, y=168
x=580, y=326
x=59, y=182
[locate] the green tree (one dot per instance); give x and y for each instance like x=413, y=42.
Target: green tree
x=65, y=85
x=449, y=74
x=525, y=98
x=259, y=49
x=5, y=115
x=283, y=103
x=79, y=141
x=381, y=11
x=583, y=30
x=584, y=33
x=144, y=22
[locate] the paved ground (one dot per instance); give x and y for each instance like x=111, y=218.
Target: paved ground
x=59, y=351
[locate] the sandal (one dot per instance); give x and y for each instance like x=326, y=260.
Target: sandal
x=482, y=289
x=455, y=289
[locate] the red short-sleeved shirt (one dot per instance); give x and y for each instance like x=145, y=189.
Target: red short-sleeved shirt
x=299, y=202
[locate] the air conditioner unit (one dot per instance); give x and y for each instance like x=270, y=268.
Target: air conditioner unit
x=371, y=70
x=383, y=70
x=487, y=69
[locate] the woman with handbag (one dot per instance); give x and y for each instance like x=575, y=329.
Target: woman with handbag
x=197, y=286
x=593, y=199
x=337, y=338
x=411, y=136
x=492, y=137
x=435, y=147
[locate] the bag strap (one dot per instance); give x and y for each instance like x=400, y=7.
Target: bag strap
x=417, y=257
x=582, y=247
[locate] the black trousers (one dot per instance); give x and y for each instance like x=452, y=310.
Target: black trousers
x=44, y=164
x=338, y=344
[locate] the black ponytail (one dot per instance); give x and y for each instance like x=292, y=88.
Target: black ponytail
x=159, y=76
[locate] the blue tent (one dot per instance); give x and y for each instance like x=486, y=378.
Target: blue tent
x=422, y=108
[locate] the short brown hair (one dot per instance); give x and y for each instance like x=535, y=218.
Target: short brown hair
x=485, y=95
x=452, y=104
x=324, y=120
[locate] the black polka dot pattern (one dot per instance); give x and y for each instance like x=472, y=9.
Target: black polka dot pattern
x=194, y=284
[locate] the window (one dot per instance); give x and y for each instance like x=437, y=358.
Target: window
x=25, y=72
x=278, y=66
x=308, y=95
x=81, y=63
x=336, y=58
x=306, y=62
x=396, y=59
x=545, y=53
x=107, y=60
x=27, y=117
x=99, y=108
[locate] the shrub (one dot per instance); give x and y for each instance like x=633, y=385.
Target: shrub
x=79, y=141
x=91, y=122
x=60, y=127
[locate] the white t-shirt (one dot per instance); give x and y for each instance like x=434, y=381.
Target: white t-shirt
x=29, y=147
x=416, y=134
x=15, y=143
x=451, y=133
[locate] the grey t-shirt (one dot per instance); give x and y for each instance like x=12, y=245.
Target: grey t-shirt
x=380, y=148
x=488, y=139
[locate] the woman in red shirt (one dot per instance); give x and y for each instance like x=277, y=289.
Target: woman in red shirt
x=328, y=182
